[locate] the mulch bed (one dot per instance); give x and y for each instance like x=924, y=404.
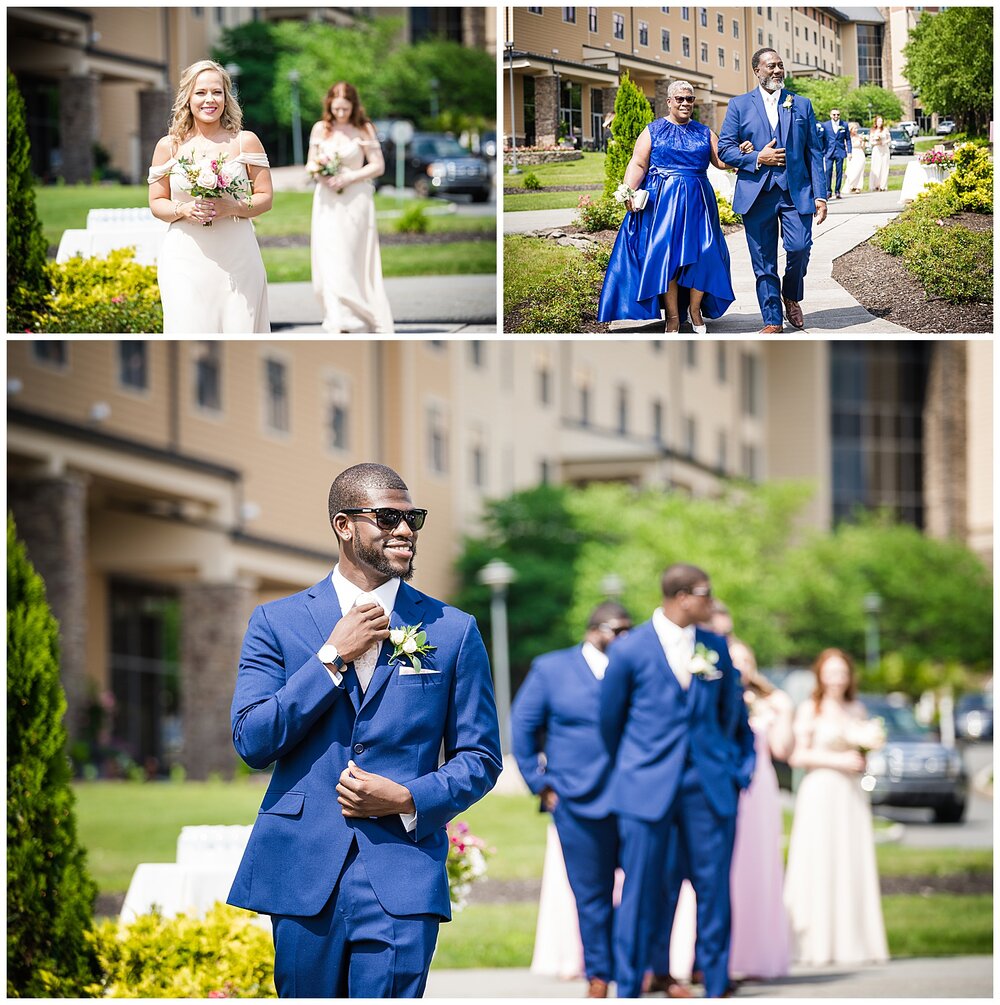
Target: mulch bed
x=884, y=287
x=440, y=237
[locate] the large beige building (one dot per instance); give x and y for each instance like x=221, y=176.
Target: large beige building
x=566, y=61
x=164, y=488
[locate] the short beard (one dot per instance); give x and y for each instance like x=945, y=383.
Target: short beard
x=375, y=558
x=769, y=85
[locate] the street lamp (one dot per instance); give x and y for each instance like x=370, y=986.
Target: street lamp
x=434, y=97
x=873, y=605
x=498, y=575
x=293, y=79
x=514, y=169
x=613, y=586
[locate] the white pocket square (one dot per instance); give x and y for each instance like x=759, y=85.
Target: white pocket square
x=412, y=671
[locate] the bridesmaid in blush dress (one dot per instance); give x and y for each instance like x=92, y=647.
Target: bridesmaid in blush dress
x=346, y=262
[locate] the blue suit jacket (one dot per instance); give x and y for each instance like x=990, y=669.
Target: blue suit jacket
x=650, y=726
x=746, y=119
x=557, y=711
x=837, y=141
x=286, y=710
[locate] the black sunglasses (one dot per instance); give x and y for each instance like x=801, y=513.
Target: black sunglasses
x=687, y=99
x=388, y=518
x=614, y=629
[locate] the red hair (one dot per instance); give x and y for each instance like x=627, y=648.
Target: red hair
x=342, y=89
x=852, y=684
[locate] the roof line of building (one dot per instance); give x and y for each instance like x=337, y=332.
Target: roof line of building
x=272, y=544
x=60, y=427
x=120, y=57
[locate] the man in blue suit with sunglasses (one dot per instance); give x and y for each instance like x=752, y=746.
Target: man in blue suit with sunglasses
x=374, y=703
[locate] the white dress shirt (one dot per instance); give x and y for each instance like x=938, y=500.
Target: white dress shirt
x=770, y=105
x=596, y=660
x=678, y=645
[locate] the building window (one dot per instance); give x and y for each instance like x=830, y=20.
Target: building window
x=720, y=23
x=665, y=39
x=736, y=28
x=544, y=375
x=53, y=354
x=796, y=31
x=786, y=26
x=657, y=416
x=220, y=15
x=691, y=354
x=736, y=60
x=437, y=439
x=276, y=416
x=618, y=21
x=583, y=398
x=622, y=409
x=643, y=33
x=822, y=42
x=721, y=359
x=685, y=13
x=338, y=411
x=569, y=15
x=133, y=365
x=666, y=10
x=690, y=436
x=760, y=36
x=704, y=52
x=544, y=475
x=477, y=459
x=749, y=384
x=769, y=13
x=722, y=450
x=703, y=16
x=814, y=38
x=770, y=41
x=535, y=10
x=686, y=46
x=571, y=107
x=208, y=375
x=870, y=54
x=722, y=57
x=592, y=19
x=476, y=354
x=760, y=10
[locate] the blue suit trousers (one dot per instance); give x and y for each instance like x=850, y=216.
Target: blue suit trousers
x=590, y=850
x=353, y=948
x=830, y=162
x=760, y=222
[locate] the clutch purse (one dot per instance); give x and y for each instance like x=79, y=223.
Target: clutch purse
x=640, y=199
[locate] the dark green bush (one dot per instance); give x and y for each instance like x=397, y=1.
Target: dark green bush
x=599, y=214
x=50, y=895
x=27, y=285
x=413, y=220
x=569, y=296
x=223, y=955
x=531, y=182
x=955, y=264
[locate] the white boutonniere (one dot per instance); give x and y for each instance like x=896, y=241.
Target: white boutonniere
x=703, y=663
x=410, y=643
x=787, y=103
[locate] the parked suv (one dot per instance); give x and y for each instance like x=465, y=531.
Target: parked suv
x=900, y=142
x=911, y=127
x=436, y=164
x=945, y=127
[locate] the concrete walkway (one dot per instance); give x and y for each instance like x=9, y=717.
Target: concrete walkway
x=940, y=977
x=829, y=309
x=433, y=305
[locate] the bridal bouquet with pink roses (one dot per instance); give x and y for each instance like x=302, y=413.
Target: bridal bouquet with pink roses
x=324, y=166
x=212, y=178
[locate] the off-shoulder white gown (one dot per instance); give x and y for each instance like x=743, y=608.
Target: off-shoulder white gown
x=212, y=279
x=346, y=261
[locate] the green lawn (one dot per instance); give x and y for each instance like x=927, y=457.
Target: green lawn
x=545, y=200
x=590, y=169
x=529, y=265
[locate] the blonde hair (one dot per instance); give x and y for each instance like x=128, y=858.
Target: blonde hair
x=182, y=121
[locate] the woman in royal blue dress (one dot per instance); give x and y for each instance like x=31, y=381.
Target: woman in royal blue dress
x=674, y=245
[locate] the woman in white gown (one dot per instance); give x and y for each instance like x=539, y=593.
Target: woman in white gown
x=346, y=262
x=210, y=272
x=878, y=178
x=831, y=882
x=856, y=162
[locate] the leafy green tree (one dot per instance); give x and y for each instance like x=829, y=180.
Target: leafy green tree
x=864, y=103
x=823, y=94
x=50, y=896
x=27, y=286
x=949, y=60
x=633, y=113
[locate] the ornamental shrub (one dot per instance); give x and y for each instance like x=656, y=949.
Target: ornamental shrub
x=531, y=182
x=633, y=113
x=971, y=181
x=600, y=214
x=27, y=284
x=50, y=895
x=726, y=215
x=413, y=220
x=102, y=295
x=223, y=955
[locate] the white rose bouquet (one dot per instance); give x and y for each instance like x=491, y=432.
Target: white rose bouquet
x=211, y=178
x=867, y=734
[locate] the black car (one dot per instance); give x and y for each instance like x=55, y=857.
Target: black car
x=900, y=142
x=914, y=768
x=974, y=716
x=436, y=164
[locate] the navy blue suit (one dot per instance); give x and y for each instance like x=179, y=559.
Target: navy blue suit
x=679, y=756
x=766, y=195
x=355, y=903
x=557, y=713
x=836, y=148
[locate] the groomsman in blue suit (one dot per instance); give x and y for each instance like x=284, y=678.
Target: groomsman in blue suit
x=782, y=180
x=675, y=724
x=348, y=852
x=557, y=742
x=837, y=148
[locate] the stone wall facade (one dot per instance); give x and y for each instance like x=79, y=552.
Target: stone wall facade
x=51, y=518
x=946, y=443
x=546, y=111
x=154, y=121
x=529, y=155
x=77, y=127
x=213, y=621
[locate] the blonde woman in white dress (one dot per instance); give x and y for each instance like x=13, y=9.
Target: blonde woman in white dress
x=210, y=272
x=878, y=178
x=855, y=180
x=346, y=262
x=831, y=881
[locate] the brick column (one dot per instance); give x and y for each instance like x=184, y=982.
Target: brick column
x=706, y=115
x=546, y=111
x=946, y=443
x=213, y=620
x=660, y=97
x=51, y=518
x=154, y=120
x=77, y=127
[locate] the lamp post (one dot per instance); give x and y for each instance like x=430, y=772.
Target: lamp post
x=613, y=586
x=293, y=79
x=873, y=605
x=498, y=575
x=514, y=169
x=434, y=97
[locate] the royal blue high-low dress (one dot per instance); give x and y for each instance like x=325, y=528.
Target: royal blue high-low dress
x=676, y=236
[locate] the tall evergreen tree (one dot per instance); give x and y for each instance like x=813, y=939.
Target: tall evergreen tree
x=50, y=896
x=27, y=284
x=633, y=113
